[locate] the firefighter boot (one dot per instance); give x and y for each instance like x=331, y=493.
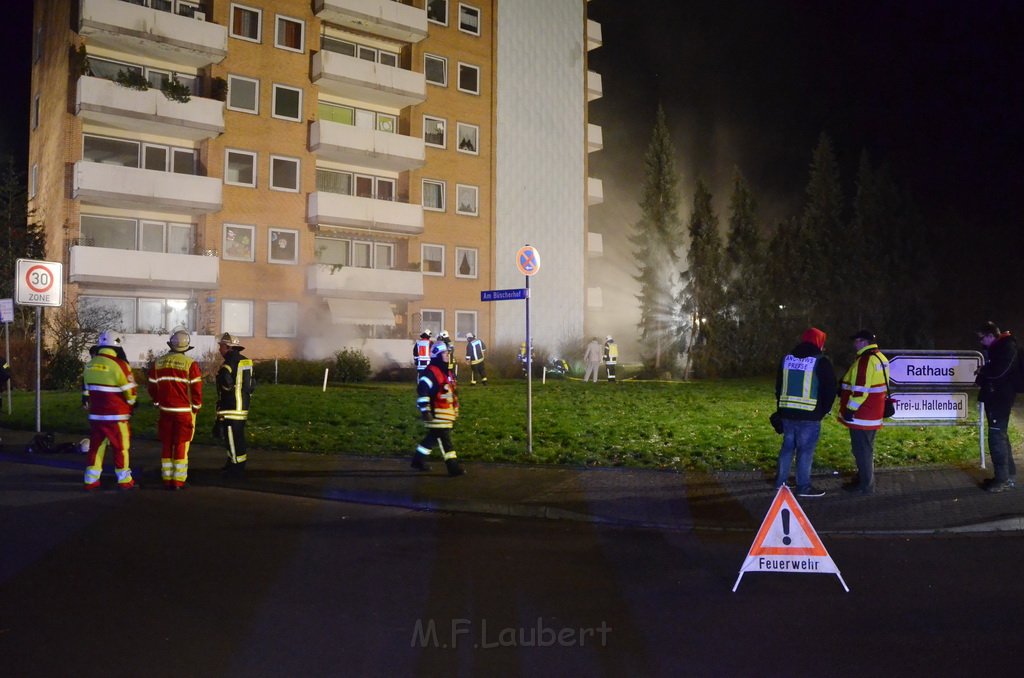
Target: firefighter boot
x=419, y=462
x=454, y=468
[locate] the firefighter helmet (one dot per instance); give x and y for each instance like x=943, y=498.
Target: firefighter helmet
x=180, y=341
x=437, y=349
x=444, y=335
x=109, y=340
x=470, y=335
x=425, y=334
x=231, y=341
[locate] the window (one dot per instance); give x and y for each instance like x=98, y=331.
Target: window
x=333, y=251
x=435, y=69
x=469, y=78
x=111, y=307
x=290, y=34
x=236, y=317
x=432, y=258
x=240, y=168
x=434, y=131
x=383, y=255
x=345, y=115
x=282, y=319
x=330, y=181
x=362, y=254
x=37, y=46
x=433, y=320
x=284, y=246
x=469, y=19
x=466, y=199
x=465, y=262
x=157, y=316
x=131, y=234
x=239, y=242
x=243, y=94
x=33, y=181
x=245, y=22
x=35, y=112
x=387, y=58
x=284, y=174
x=465, y=322
x=433, y=195
x=437, y=11
x=469, y=138
x=287, y=103
x=126, y=153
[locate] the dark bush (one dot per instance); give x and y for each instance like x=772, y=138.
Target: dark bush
x=289, y=371
x=350, y=366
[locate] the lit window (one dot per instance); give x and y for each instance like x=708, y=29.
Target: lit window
x=236, y=317
x=282, y=319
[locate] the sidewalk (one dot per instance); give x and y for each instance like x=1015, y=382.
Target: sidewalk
x=908, y=501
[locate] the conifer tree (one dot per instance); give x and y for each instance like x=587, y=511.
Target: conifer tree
x=656, y=238
x=703, y=295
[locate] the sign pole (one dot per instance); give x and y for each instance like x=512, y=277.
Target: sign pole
x=529, y=374
x=7, y=357
x=39, y=368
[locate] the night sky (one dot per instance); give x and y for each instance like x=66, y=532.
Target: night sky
x=931, y=88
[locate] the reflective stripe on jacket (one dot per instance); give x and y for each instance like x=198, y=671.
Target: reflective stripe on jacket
x=475, y=351
x=799, y=383
x=863, y=389
x=110, y=387
x=234, y=386
x=176, y=383
x=421, y=353
x=611, y=352
x=436, y=394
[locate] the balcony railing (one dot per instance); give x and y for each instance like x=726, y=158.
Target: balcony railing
x=107, y=103
x=369, y=81
x=595, y=138
x=386, y=18
x=333, y=209
x=595, y=89
x=365, y=147
x=176, y=37
x=129, y=187
x=131, y=268
x=595, y=191
x=351, y=282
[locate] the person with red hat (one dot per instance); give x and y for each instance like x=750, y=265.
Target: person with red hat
x=805, y=389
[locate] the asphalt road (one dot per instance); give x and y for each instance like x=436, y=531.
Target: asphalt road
x=222, y=582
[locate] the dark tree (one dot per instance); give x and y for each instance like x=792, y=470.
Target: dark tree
x=703, y=297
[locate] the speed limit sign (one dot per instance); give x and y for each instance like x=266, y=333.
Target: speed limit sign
x=40, y=283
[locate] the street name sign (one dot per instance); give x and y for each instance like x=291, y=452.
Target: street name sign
x=918, y=406
x=39, y=283
x=934, y=369
x=504, y=295
x=6, y=310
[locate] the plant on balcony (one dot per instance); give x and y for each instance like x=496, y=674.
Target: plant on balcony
x=175, y=90
x=78, y=61
x=219, y=89
x=132, y=80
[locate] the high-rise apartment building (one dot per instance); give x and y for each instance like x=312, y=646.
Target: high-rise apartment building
x=312, y=175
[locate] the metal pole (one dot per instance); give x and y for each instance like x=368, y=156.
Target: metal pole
x=529, y=375
x=39, y=368
x=981, y=433
x=7, y=357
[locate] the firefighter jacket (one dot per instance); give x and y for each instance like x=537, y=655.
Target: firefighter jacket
x=176, y=384
x=108, y=387
x=996, y=376
x=435, y=392
x=611, y=352
x=235, y=386
x=863, y=389
x=421, y=353
x=475, y=351
x=805, y=384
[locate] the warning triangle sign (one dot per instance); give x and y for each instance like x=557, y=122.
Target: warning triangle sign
x=787, y=542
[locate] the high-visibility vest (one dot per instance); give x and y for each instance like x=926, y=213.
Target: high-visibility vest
x=475, y=351
x=799, y=383
x=421, y=353
x=110, y=387
x=611, y=352
x=863, y=389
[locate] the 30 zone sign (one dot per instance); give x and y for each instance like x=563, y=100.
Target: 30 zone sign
x=39, y=283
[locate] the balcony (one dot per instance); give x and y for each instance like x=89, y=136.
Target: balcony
x=374, y=83
x=385, y=18
x=595, y=191
x=103, y=102
x=129, y=187
x=131, y=268
x=595, y=89
x=126, y=27
x=365, y=147
x=350, y=282
x=595, y=138
x=594, y=39
x=595, y=244
x=333, y=209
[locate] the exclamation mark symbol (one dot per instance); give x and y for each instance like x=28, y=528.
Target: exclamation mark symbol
x=785, y=527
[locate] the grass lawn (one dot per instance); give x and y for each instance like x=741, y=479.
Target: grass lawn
x=721, y=425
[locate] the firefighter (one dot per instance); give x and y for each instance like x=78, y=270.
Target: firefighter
x=235, y=386
x=453, y=363
x=439, y=408
x=475, y=350
x=176, y=387
x=421, y=351
x=611, y=357
x=109, y=394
